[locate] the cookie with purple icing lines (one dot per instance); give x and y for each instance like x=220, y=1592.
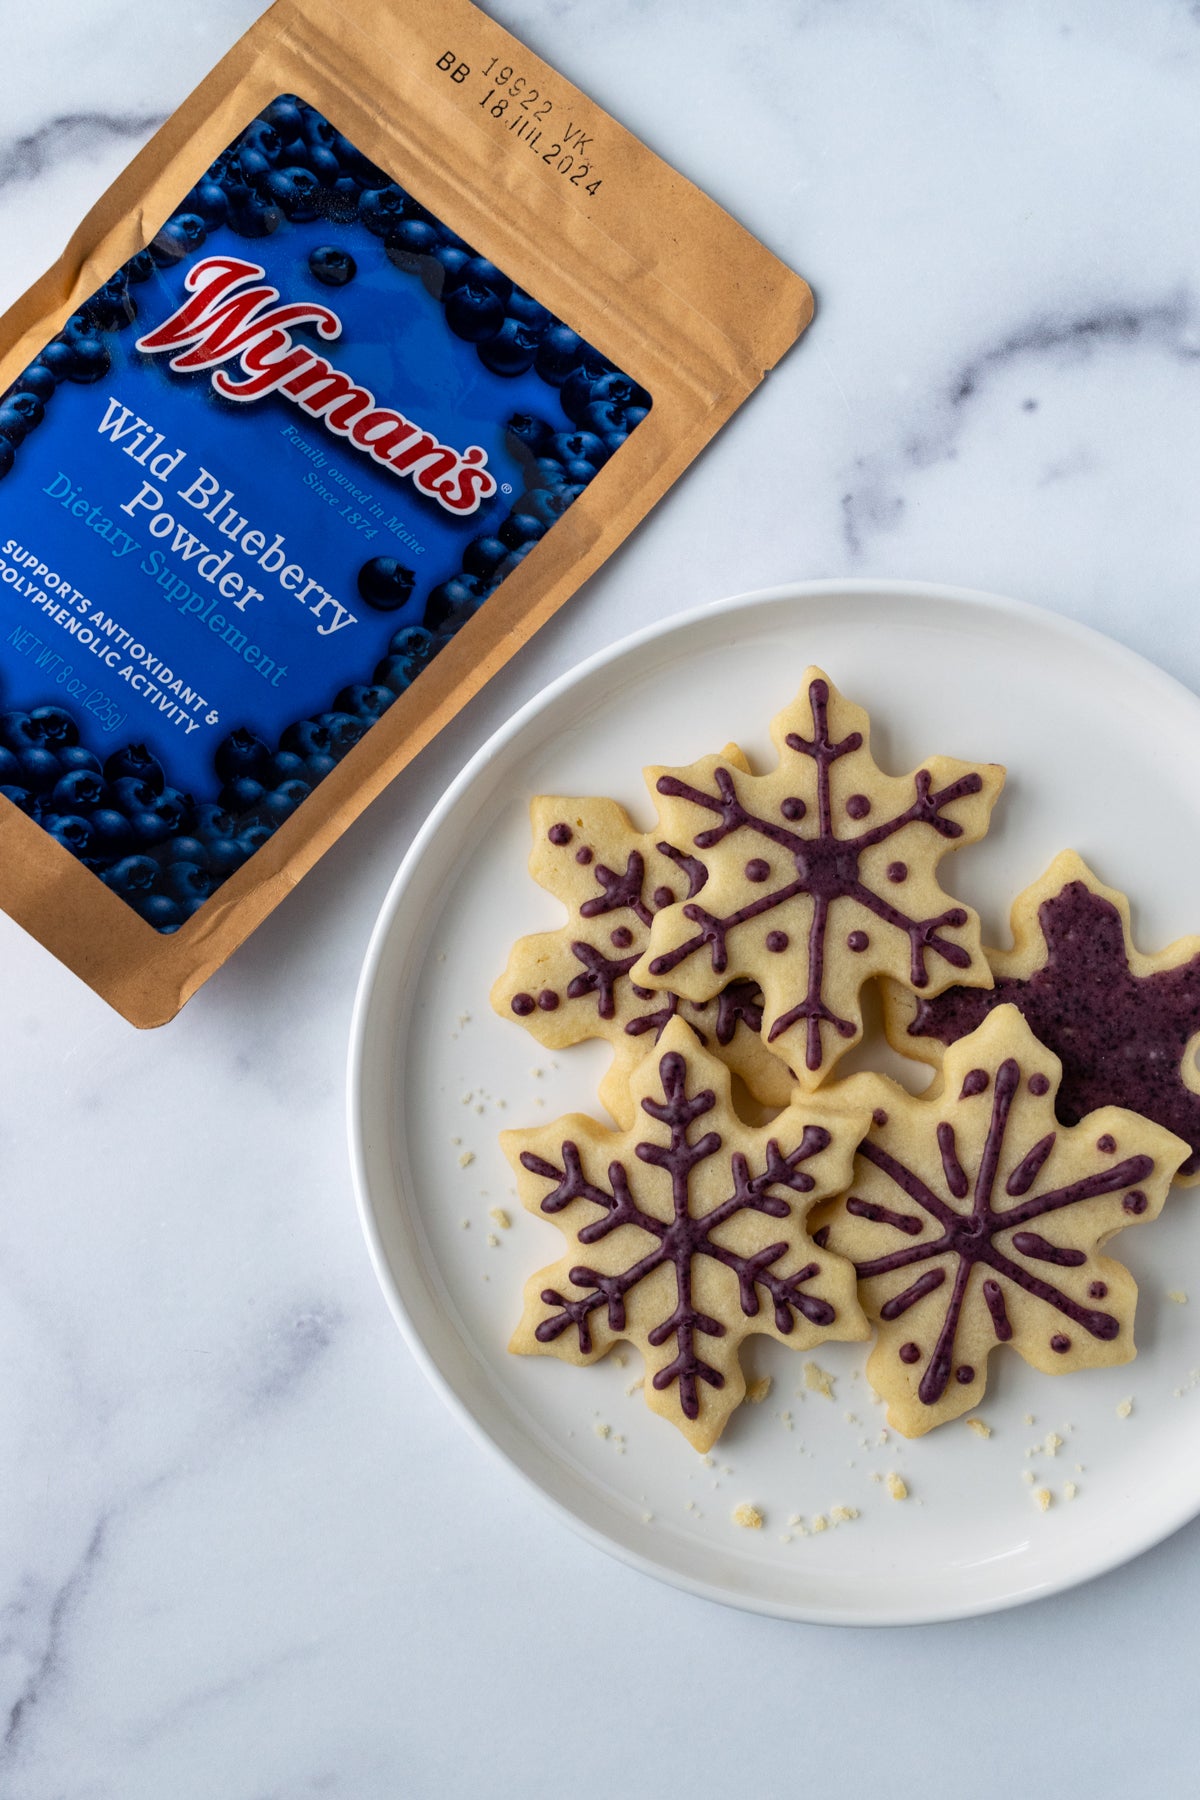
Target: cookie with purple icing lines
x=817, y=876
x=687, y=1232
x=976, y=1220
x=1125, y=1025
x=574, y=983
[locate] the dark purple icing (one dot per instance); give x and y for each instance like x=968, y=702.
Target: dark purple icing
x=1121, y=1037
x=858, y=806
x=826, y=869
x=619, y=890
x=685, y=1237
x=910, y=1353
x=857, y=940
x=663, y=896
x=897, y=871
x=548, y=1000
x=1098, y=1290
x=964, y=1374
x=1106, y=1143
x=1135, y=1202
x=560, y=835
x=974, y=1082
x=621, y=938
x=1060, y=1343
x=908, y=1223
x=584, y=856
x=523, y=1005
x=1039, y=1084
x=971, y=1237
x=879, y=1116
x=777, y=941
x=757, y=869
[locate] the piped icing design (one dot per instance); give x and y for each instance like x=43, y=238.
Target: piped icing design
x=575, y=983
x=815, y=877
x=975, y=1219
x=687, y=1232
x=1125, y=1025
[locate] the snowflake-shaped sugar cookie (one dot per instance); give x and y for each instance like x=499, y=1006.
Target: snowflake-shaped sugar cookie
x=817, y=876
x=687, y=1232
x=572, y=984
x=974, y=1220
x=1126, y=1026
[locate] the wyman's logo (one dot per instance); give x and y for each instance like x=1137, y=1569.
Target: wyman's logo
x=233, y=316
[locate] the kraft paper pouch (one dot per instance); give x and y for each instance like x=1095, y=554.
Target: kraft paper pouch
x=365, y=363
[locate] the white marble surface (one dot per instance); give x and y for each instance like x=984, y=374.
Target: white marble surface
x=244, y=1552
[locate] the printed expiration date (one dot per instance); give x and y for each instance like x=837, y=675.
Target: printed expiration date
x=526, y=112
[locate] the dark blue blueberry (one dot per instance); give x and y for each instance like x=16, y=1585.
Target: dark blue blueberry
x=19, y=796
x=297, y=191
x=411, y=243
x=318, y=130
x=58, y=357
x=479, y=272
x=20, y=732
x=262, y=137
x=634, y=416
x=72, y=832
x=546, y=504
x=26, y=407
x=575, y=395
x=240, y=794
x=581, y=446
x=527, y=435
x=306, y=738
x=523, y=306
x=344, y=731
x=225, y=854
x=515, y=558
x=397, y=672
x=283, y=802
x=79, y=791
x=178, y=811
x=179, y=237
x=254, y=218
x=474, y=312
x=579, y=473
x=241, y=753
x=112, y=307
x=57, y=726
x=318, y=766
x=482, y=557
x=341, y=201
x=412, y=640
x=368, y=703
x=512, y=350
x=284, y=765
x=331, y=265
x=188, y=881
x=443, y=271
x=186, y=850
x=133, y=875
x=148, y=827
x=253, y=838
x=38, y=380
x=325, y=166
x=137, y=761
x=603, y=417
x=457, y=598
x=558, y=354
x=159, y=910
x=131, y=795
x=212, y=821
x=209, y=201
x=285, y=115
x=74, y=756
x=612, y=441
x=10, y=768
x=90, y=360
x=383, y=209
x=621, y=391
x=139, y=268
x=547, y=471
x=385, y=583
x=40, y=769
x=111, y=834
x=522, y=528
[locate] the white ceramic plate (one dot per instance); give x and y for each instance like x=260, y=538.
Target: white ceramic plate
x=1102, y=751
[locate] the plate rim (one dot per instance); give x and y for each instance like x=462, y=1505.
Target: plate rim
x=851, y=587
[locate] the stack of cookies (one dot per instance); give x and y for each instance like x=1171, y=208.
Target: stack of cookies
x=724, y=957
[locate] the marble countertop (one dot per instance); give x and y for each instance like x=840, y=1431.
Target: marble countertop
x=245, y=1551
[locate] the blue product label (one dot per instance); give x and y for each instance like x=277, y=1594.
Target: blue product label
x=254, y=486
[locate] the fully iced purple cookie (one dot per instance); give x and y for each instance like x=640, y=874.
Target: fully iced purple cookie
x=1125, y=1026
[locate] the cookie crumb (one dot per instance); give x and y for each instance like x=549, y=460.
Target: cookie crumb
x=979, y=1428
x=820, y=1522
x=1029, y=1419
x=634, y=1386
x=757, y=1391
x=493, y=1242
x=499, y=1217
x=841, y=1515
x=1124, y=1408
x=601, y=1429
x=1053, y=1443
x=1029, y=1476
x=785, y=1537
x=467, y=1097
x=1044, y=1498
x=647, y=1518
x=818, y=1380
x=897, y=1487
x=1178, y=1296
x=466, y=1159
x=748, y=1517
x=1070, y=1491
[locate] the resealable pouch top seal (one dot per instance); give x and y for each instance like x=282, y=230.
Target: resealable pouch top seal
x=373, y=354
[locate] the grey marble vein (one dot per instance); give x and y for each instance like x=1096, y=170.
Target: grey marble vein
x=874, y=501
x=70, y=135
x=58, y=1619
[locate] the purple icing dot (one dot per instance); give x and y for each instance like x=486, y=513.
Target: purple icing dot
x=897, y=871
x=1098, y=1290
x=523, y=1005
x=1107, y=1144
x=879, y=1116
x=1039, y=1084
x=1135, y=1202
x=777, y=940
x=858, y=806
x=964, y=1374
x=560, y=834
x=583, y=856
x=1060, y=1343
x=793, y=807
x=548, y=1000
x=664, y=896
x=858, y=940
x=622, y=937
x=910, y=1353
x=757, y=869
x=974, y=1082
